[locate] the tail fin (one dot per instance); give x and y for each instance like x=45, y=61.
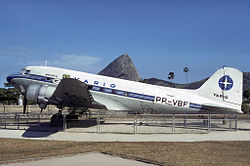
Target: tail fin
x=224, y=87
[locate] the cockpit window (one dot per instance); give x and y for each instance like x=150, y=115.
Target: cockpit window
x=25, y=71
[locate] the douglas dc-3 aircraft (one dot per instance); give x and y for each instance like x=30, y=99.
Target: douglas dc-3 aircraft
x=44, y=85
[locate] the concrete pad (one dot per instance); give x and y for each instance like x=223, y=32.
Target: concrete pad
x=93, y=159
x=94, y=137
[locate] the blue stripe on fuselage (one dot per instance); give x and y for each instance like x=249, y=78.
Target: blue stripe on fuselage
x=31, y=77
x=194, y=105
x=94, y=88
x=123, y=93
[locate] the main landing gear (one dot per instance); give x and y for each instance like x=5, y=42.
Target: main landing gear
x=58, y=118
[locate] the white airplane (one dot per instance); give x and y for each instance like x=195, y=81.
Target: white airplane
x=221, y=93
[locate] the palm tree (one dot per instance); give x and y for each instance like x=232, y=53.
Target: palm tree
x=171, y=77
x=186, y=69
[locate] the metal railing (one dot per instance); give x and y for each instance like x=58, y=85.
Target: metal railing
x=132, y=124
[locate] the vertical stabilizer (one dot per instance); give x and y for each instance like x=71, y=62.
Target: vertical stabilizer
x=225, y=87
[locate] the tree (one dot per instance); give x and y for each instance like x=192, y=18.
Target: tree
x=171, y=77
x=246, y=94
x=7, y=85
x=9, y=95
x=186, y=69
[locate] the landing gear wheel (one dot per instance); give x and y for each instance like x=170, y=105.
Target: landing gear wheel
x=57, y=120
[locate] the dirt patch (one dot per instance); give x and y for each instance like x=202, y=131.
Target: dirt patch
x=200, y=153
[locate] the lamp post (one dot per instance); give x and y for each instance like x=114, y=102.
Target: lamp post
x=186, y=71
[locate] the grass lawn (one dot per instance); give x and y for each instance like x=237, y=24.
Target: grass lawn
x=200, y=153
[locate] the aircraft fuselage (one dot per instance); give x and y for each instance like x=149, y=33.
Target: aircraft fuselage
x=119, y=94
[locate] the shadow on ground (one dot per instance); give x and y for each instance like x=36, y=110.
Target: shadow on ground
x=45, y=129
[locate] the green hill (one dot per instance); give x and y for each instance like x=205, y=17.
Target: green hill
x=194, y=85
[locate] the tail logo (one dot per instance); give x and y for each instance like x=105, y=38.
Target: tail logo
x=226, y=83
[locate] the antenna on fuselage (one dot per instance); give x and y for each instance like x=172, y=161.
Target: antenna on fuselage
x=46, y=62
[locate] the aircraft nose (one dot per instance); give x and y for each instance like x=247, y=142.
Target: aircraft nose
x=9, y=78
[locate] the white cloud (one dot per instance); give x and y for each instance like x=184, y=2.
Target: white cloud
x=17, y=51
x=74, y=60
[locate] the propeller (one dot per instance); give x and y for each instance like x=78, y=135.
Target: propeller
x=24, y=103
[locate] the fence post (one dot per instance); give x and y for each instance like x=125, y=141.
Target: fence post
x=173, y=124
x=135, y=125
x=5, y=121
x=185, y=121
x=64, y=122
x=224, y=121
x=230, y=122
x=38, y=120
x=165, y=120
x=18, y=121
x=209, y=123
x=1, y=120
x=98, y=125
x=27, y=118
x=236, y=123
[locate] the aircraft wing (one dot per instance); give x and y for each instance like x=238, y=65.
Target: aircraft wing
x=74, y=93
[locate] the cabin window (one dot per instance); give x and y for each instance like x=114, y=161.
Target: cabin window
x=96, y=88
x=106, y=90
x=122, y=93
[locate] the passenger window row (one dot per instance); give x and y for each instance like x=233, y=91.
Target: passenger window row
x=123, y=93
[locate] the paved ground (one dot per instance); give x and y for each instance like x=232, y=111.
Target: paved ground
x=93, y=159
x=93, y=137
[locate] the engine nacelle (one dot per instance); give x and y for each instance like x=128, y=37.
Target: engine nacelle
x=40, y=94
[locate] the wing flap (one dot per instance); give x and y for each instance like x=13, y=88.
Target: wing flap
x=73, y=93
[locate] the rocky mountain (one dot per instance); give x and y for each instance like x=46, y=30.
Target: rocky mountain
x=122, y=67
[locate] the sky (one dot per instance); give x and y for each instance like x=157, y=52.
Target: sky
x=160, y=36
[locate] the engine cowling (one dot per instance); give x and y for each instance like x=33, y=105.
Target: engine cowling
x=40, y=94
